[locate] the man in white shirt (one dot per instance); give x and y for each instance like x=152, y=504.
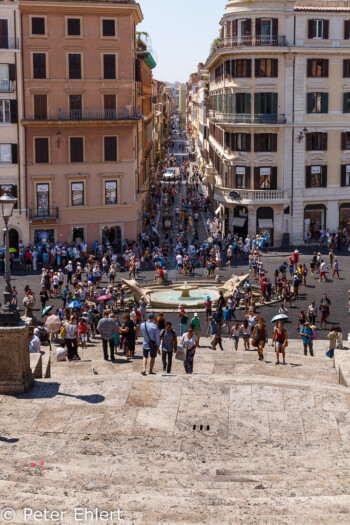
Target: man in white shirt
x=323, y=270
x=179, y=262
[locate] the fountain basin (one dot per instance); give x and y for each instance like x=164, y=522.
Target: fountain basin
x=173, y=298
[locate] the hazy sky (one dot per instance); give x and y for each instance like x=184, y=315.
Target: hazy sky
x=181, y=32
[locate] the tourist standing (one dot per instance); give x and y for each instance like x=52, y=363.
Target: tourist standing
x=306, y=334
x=168, y=343
x=71, y=338
x=183, y=321
x=260, y=337
x=234, y=334
x=151, y=342
x=324, y=307
x=190, y=342
x=196, y=326
x=106, y=326
x=332, y=337
x=280, y=338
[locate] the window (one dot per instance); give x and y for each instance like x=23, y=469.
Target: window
x=316, y=141
x=42, y=200
x=346, y=103
x=41, y=150
x=265, y=142
x=318, y=29
x=109, y=102
x=243, y=68
x=110, y=149
x=77, y=192
x=109, y=70
x=265, y=103
x=317, y=102
x=237, y=141
x=39, y=65
x=346, y=68
x=345, y=175
x=316, y=176
x=108, y=27
x=346, y=29
x=75, y=106
x=40, y=107
x=345, y=140
x=38, y=25
x=5, y=113
x=111, y=192
x=74, y=64
x=73, y=26
x=77, y=149
x=4, y=35
x=5, y=154
x=317, y=67
x=243, y=103
x=266, y=67
x=265, y=178
x=241, y=177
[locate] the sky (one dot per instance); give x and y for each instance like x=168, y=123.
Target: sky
x=181, y=32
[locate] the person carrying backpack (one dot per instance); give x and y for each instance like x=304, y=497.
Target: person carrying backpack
x=168, y=343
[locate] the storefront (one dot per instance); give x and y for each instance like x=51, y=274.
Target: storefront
x=42, y=236
x=265, y=222
x=240, y=221
x=314, y=220
x=344, y=216
x=112, y=235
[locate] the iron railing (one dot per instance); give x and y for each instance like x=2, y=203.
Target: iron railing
x=243, y=118
x=99, y=114
x=43, y=213
x=9, y=42
x=7, y=86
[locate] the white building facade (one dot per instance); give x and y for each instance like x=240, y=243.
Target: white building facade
x=279, y=126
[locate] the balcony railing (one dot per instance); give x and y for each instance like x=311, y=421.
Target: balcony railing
x=7, y=86
x=98, y=114
x=243, y=118
x=9, y=42
x=43, y=214
x=257, y=196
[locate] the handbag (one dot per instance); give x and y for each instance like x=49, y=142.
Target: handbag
x=63, y=332
x=180, y=353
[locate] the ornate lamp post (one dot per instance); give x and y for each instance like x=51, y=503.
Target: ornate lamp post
x=9, y=315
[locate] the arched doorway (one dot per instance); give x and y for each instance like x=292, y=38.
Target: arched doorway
x=344, y=216
x=112, y=235
x=240, y=221
x=13, y=239
x=265, y=222
x=78, y=234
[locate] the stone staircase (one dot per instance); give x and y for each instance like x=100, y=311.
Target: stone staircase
x=238, y=442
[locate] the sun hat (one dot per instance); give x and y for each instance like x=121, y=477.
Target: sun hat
x=196, y=315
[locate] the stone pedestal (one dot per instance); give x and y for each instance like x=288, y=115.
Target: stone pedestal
x=15, y=372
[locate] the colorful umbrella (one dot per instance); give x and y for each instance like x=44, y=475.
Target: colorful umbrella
x=12, y=250
x=46, y=310
x=104, y=297
x=75, y=304
x=53, y=324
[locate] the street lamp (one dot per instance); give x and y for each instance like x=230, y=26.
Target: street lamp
x=9, y=315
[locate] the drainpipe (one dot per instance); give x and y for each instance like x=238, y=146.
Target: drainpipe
x=293, y=130
x=18, y=123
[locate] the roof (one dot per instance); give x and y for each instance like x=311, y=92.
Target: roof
x=327, y=9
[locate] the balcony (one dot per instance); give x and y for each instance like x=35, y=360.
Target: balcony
x=98, y=114
x=7, y=42
x=243, y=118
x=7, y=86
x=252, y=196
x=250, y=41
x=44, y=214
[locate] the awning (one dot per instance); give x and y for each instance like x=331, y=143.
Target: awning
x=265, y=223
x=218, y=210
x=238, y=221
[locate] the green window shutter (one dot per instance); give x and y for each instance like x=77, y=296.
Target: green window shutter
x=274, y=103
x=248, y=104
x=345, y=102
x=233, y=103
x=324, y=103
x=309, y=102
x=256, y=103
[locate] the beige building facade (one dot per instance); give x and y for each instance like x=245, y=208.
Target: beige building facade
x=11, y=132
x=82, y=120
x=279, y=124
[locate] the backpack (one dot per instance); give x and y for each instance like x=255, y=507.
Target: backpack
x=43, y=335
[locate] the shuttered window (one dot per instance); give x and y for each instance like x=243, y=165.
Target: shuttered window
x=345, y=175
x=38, y=25
x=39, y=65
x=317, y=102
x=318, y=29
x=74, y=64
x=110, y=149
x=346, y=29
x=42, y=150
x=316, y=141
x=108, y=27
x=345, y=140
x=266, y=67
x=316, y=177
x=346, y=103
x=346, y=68
x=109, y=70
x=317, y=67
x=265, y=142
x=40, y=107
x=265, y=103
x=76, y=149
x=73, y=26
